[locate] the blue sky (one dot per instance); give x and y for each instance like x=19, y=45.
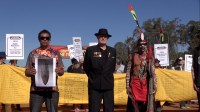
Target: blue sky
x=82, y=18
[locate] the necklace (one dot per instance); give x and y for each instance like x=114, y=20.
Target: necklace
x=142, y=60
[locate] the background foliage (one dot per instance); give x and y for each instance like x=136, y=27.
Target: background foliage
x=180, y=38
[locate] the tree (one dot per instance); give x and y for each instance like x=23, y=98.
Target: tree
x=121, y=51
x=191, y=29
x=151, y=31
x=122, y=48
x=179, y=36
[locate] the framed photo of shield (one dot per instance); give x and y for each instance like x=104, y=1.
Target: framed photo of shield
x=45, y=72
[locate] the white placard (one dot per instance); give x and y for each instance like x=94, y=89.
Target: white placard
x=71, y=51
x=14, y=46
x=162, y=54
x=120, y=69
x=77, y=47
x=93, y=43
x=45, y=67
x=188, y=62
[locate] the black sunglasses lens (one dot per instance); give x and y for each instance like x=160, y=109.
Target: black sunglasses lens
x=47, y=38
x=142, y=44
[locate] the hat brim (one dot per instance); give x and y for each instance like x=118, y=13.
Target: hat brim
x=96, y=34
x=2, y=56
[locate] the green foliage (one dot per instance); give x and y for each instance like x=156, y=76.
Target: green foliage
x=176, y=35
x=191, y=29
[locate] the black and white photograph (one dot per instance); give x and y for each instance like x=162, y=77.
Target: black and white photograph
x=45, y=72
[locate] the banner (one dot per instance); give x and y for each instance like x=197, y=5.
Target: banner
x=162, y=54
x=188, y=62
x=172, y=85
x=64, y=52
x=14, y=46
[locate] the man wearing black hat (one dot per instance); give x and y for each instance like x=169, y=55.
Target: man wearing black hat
x=196, y=67
x=99, y=65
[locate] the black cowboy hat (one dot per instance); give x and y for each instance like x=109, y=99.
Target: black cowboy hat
x=102, y=31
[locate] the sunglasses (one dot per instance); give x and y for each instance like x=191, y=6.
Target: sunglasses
x=42, y=38
x=142, y=44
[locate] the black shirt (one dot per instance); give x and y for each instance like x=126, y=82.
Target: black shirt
x=99, y=66
x=69, y=69
x=104, y=57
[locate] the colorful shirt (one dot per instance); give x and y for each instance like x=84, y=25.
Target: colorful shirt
x=39, y=53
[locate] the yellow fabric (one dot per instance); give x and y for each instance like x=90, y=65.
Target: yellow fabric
x=175, y=86
x=172, y=85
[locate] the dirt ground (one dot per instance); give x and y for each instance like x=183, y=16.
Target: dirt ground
x=173, y=107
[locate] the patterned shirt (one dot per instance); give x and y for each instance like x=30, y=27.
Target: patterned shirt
x=39, y=53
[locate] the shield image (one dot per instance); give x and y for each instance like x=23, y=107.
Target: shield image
x=45, y=72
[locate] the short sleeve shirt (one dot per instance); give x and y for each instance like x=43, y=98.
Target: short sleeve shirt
x=39, y=53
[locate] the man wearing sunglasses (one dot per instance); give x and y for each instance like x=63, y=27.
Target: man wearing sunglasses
x=39, y=95
x=137, y=76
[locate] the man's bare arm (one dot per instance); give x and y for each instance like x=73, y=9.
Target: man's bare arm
x=30, y=72
x=128, y=70
x=154, y=77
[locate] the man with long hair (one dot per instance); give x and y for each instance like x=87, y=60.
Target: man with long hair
x=139, y=72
